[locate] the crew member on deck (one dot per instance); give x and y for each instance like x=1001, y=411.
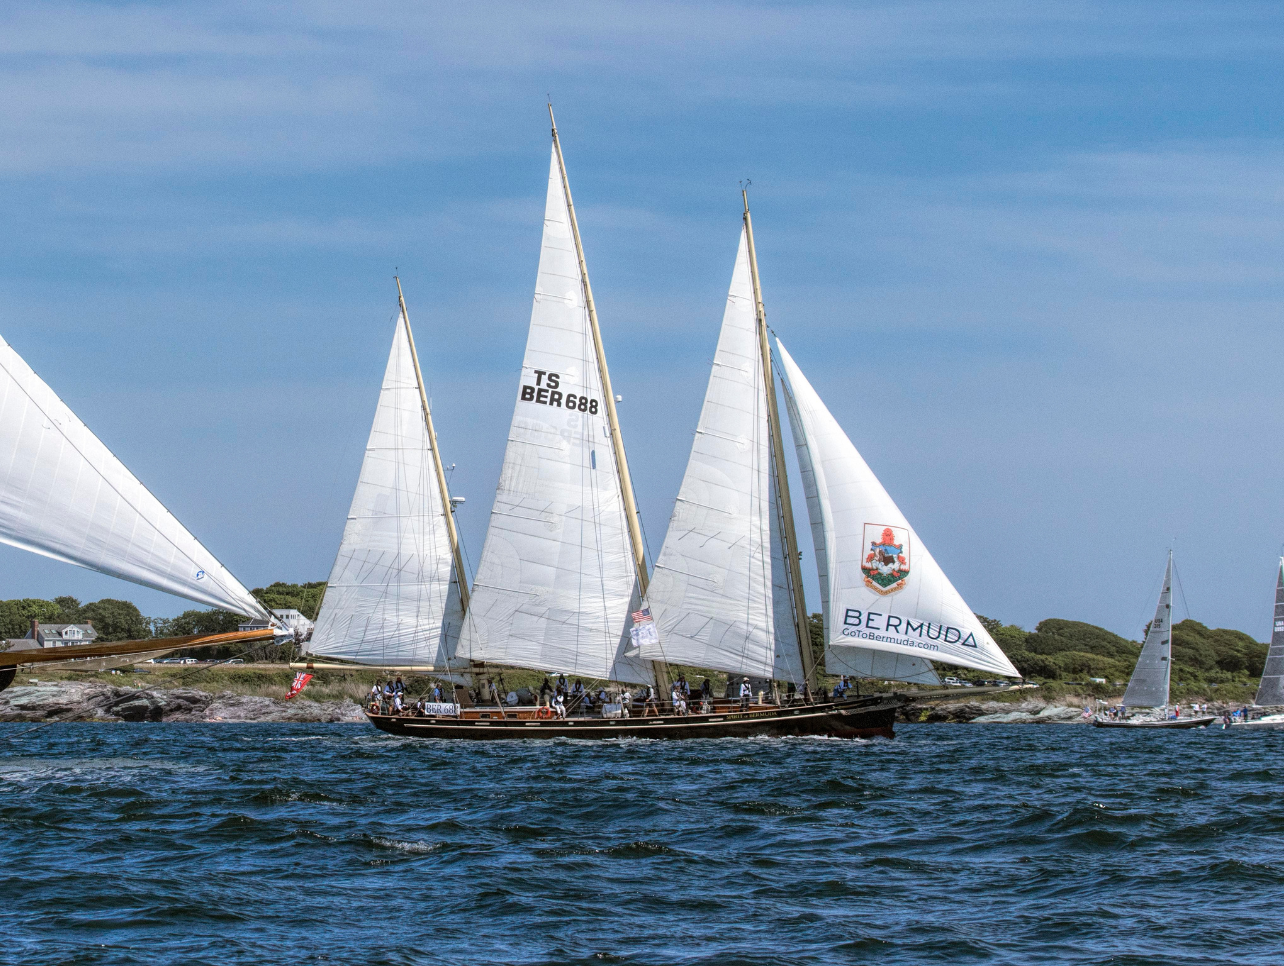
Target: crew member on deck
x=746, y=692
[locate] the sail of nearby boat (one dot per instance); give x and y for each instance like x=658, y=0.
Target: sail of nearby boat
x=719, y=593
x=394, y=592
x=1270, y=693
x=1148, y=686
x=65, y=495
x=558, y=577
x=882, y=589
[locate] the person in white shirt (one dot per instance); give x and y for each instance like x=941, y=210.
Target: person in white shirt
x=746, y=692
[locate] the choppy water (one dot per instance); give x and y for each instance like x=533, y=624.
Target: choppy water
x=336, y=844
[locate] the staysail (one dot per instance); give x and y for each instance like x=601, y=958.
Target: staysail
x=1271, y=691
x=881, y=589
x=393, y=597
x=718, y=593
x=1148, y=686
x=65, y=495
x=557, y=580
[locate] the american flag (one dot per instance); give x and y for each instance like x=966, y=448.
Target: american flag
x=642, y=616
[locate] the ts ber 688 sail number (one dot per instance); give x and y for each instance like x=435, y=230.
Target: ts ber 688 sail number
x=547, y=391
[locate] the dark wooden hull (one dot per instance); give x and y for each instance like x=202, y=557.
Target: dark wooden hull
x=862, y=718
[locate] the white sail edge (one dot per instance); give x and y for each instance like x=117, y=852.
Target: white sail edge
x=718, y=580
x=882, y=595
x=1148, y=686
x=66, y=496
x=392, y=597
x=556, y=583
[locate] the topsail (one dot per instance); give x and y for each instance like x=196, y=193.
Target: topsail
x=881, y=589
x=557, y=580
x=1148, y=686
x=1271, y=690
x=65, y=495
x=392, y=596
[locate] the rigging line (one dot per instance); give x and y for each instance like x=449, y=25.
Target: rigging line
x=1182, y=591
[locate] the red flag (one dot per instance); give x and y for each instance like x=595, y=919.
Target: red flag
x=300, y=682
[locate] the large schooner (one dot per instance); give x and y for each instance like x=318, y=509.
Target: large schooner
x=65, y=495
x=562, y=584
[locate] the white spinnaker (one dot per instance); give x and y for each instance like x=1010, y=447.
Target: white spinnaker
x=859, y=661
x=392, y=597
x=556, y=583
x=905, y=604
x=65, y=495
x=719, y=593
x=1148, y=686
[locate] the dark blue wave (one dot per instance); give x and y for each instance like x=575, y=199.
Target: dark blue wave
x=240, y=844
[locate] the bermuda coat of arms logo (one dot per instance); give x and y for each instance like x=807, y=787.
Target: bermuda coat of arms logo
x=887, y=558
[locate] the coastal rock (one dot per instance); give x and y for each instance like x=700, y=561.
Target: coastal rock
x=1051, y=714
x=992, y=712
x=92, y=701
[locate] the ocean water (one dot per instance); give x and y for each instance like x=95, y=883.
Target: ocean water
x=232, y=844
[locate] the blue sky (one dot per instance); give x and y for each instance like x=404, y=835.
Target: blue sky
x=1028, y=253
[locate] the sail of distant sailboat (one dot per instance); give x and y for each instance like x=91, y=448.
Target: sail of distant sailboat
x=1270, y=692
x=558, y=579
x=1148, y=686
x=394, y=596
x=65, y=495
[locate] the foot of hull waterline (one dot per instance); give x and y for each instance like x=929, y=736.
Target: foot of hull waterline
x=873, y=719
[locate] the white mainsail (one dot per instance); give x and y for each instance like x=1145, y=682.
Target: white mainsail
x=392, y=597
x=556, y=582
x=1271, y=690
x=65, y=495
x=881, y=589
x=1148, y=686
x=719, y=592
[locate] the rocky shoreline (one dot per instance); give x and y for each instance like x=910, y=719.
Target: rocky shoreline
x=92, y=701
x=96, y=701
x=994, y=712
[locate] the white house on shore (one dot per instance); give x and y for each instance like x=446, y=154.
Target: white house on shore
x=288, y=616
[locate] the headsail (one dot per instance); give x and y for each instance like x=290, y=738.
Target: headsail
x=882, y=590
x=557, y=581
x=393, y=597
x=1271, y=691
x=1148, y=686
x=65, y=495
x=718, y=593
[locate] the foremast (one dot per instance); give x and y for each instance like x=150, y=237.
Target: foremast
x=788, y=534
x=448, y=509
x=617, y=438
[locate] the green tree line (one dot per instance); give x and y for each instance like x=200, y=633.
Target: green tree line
x=121, y=620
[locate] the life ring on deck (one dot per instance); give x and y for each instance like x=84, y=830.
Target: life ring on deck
x=543, y=712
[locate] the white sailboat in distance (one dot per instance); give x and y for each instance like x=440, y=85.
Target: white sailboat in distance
x=1148, y=688
x=65, y=495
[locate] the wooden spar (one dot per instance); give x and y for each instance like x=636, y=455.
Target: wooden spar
x=46, y=655
x=460, y=577
x=778, y=466
x=617, y=439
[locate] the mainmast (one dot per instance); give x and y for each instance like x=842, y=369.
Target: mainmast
x=778, y=466
x=617, y=439
x=447, y=508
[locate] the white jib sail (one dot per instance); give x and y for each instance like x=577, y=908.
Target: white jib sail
x=884, y=591
x=65, y=495
x=719, y=593
x=392, y=597
x=556, y=583
x=1148, y=686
